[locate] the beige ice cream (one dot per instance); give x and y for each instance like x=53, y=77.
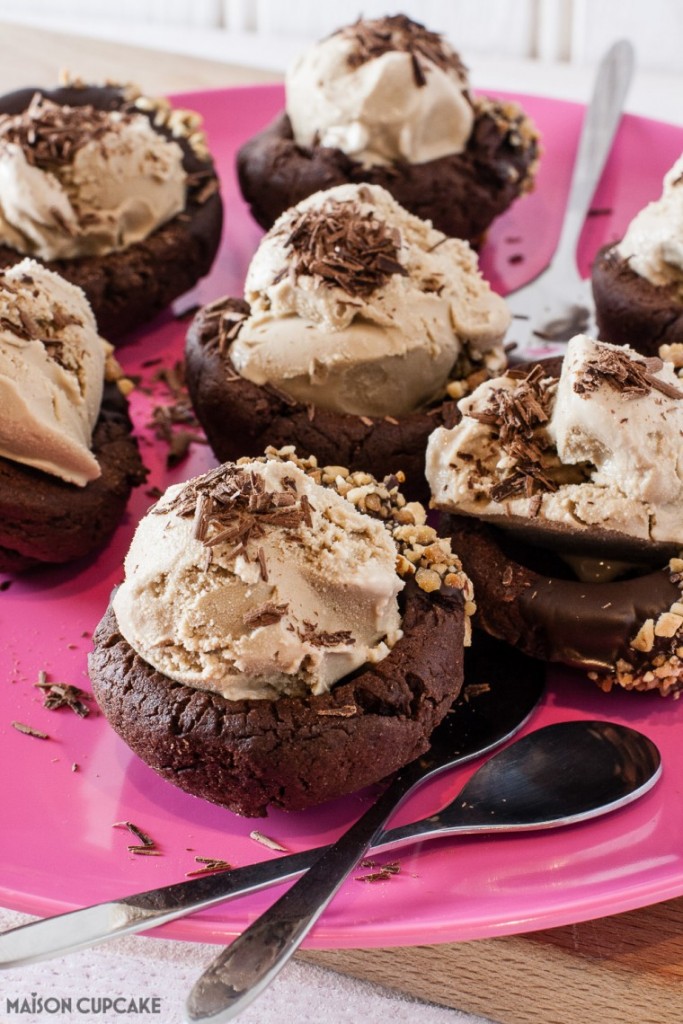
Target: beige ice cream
x=254, y=581
x=381, y=90
x=76, y=181
x=599, y=448
x=653, y=243
x=360, y=307
x=51, y=373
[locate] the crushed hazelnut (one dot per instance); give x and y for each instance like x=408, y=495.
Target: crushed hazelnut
x=668, y=624
x=420, y=551
x=645, y=637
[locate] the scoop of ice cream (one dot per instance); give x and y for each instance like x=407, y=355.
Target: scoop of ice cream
x=599, y=448
x=77, y=181
x=653, y=243
x=51, y=373
x=381, y=91
x=255, y=581
x=360, y=307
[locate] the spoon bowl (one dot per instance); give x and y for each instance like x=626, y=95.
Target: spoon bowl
x=557, y=775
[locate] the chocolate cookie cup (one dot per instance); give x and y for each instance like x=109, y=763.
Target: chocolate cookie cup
x=295, y=747
x=129, y=286
x=630, y=310
x=242, y=418
x=362, y=322
x=623, y=621
x=461, y=194
x=291, y=753
x=44, y=520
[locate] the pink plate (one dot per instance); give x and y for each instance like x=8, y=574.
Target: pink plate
x=58, y=849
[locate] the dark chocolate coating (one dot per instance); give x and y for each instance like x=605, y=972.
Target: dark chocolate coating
x=586, y=625
x=630, y=310
x=45, y=520
x=287, y=753
x=461, y=193
x=243, y=418
x=130, y=286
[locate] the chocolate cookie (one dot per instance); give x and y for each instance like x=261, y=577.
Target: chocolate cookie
x=461, y=193
x=243, y=418
x=45, y=520
x=130, y=286
x=626, y=632
x=630, y=310
x=290, y=753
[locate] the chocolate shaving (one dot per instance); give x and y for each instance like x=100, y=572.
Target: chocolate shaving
x=50, y=134
x=239, y=509
x=259, y=837
x=517, y=414
x=211, y=865
x=343, y=711
x=344, y=247
x=633, y=378
x=309, y=635
x=63, y=695
x=375, y=37
x=147, y=847
x=30, y=731
x=265, y=615
x=382, y=875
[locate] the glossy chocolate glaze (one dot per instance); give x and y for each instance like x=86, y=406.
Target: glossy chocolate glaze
x=591, y=625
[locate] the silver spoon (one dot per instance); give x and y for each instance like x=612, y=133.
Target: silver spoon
x=502, y=687
x=558, y=775
x=557, y=304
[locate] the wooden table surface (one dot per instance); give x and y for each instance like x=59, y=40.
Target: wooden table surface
x=626, y=968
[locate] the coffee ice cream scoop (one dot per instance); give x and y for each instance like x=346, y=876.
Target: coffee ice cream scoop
x=597, y=452
x=78, y=181
x=51, y=373
x=255, y=581
x=381, y=90
x=360, y=307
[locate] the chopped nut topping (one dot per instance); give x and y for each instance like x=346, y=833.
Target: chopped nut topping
x=420, y=551
x=645, y=637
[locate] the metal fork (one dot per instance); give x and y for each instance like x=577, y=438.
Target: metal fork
x=557, y=304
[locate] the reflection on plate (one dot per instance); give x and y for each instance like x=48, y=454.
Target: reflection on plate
x=60, y=796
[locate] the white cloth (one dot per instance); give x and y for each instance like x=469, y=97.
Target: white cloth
x=143, y=968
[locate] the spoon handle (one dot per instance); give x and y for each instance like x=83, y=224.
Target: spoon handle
x=242, y=970
x=599, y=128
